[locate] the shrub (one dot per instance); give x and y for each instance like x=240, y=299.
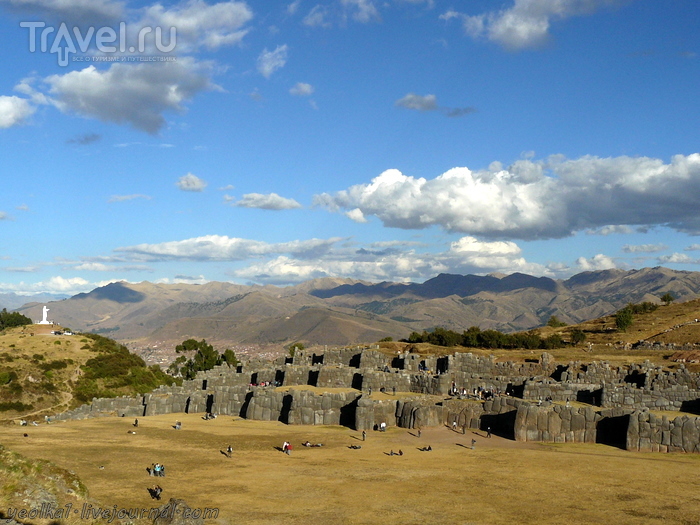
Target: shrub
x=623, y=319
x=15, y=405
x=12, y=319
x=294, y=347
x=116, y=368
x=577, y=336
x=642, y=308
x=7, y=377
x=205, y=358
x=668, y=298
x=53, y=365
x=554, y=322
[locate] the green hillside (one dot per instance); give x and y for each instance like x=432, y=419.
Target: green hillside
x=42, y=373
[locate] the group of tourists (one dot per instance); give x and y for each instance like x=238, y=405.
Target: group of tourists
x=483, y=394
x=157, y=470
x=155, y=492
x=266, y=383
x=287, y=448
x=479, y=393
x=459, y=392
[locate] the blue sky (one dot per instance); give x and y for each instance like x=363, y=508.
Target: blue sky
x=378, y=140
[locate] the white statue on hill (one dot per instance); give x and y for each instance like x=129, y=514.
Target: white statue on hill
x=44, y=319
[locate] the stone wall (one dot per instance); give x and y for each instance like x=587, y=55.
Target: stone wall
x=556, y=424
x=106, y=407
x=619, y=390
x=651, y=433
x=549, y=389
x=465, y=413
x=369, y=413
x=302, y=407
x=676, y=397
x=419, y=412
x=377, y=381
x=335, y=377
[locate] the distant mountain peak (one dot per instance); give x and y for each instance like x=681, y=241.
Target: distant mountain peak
x=119, y=292
x=349, y=311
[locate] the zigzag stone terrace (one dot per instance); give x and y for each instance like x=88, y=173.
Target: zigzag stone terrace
x=627, y=406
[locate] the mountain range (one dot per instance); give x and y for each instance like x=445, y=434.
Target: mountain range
x=345, y=311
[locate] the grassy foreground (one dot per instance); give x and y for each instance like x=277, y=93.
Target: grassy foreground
x=499, y=482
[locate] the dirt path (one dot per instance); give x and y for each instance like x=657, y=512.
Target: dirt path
x=64, y=404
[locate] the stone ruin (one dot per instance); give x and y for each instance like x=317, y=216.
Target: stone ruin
x=523, y=401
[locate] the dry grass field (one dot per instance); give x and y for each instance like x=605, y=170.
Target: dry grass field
x=499, y=482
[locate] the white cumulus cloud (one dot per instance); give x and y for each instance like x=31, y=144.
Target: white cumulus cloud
x=527, y=22
x=224, y=248
x=271, y=61
x=131, y=94
x=677, y=258
x=56, y=284
x=644, y=248
x=597, y=262
x=200, y=24
x=610, y=229
x=96, y=12
x=14, y=110
x=301, y=89
x=191, y=182
x=418, y=102
x=356, y=215
x=122, y=198
x=397, y=261
x=362, y=11
x=552, y=198
x=317, y=17
x=270, y=201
